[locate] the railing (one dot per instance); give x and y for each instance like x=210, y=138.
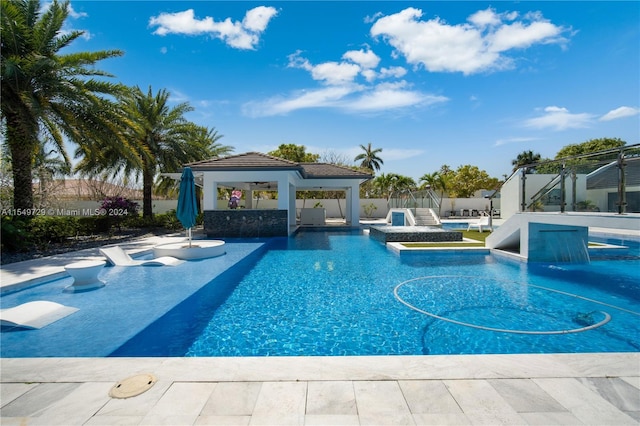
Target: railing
x=607, y=180
x=407, y=199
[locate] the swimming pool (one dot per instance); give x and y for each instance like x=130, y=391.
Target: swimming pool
x=325, y=293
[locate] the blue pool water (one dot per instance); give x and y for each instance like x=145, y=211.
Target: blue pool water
x=344, y=294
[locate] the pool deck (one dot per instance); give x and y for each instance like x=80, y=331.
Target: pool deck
x=598, y=388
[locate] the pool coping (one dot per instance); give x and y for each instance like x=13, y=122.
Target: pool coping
x=324, y=368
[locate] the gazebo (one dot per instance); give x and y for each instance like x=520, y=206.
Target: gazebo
x=255, y=171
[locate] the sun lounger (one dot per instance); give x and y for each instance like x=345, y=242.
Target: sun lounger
x=34, y=315
x=118, y=257
x=480, y=224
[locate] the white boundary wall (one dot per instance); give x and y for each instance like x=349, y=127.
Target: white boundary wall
x=370, y=208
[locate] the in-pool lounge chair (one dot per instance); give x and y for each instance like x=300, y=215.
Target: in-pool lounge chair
x=34, y=315
x=118, y=257
x=481, y=224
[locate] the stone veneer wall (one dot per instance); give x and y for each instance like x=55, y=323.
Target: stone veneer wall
x=246, y=223
x=413, y=234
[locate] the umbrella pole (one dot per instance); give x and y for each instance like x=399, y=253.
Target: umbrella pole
x=189, y=236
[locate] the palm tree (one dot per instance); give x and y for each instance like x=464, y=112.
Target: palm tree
x=369, y=158
x=437, y=181
x=525, y=158
x=160, y=137
x=47, y=96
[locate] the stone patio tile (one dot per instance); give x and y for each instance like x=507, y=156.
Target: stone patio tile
x=77, y=406
x=223, y=420
x=482, y=403
x=113, y=420
x=525, y=396
x=168, y=419
x=182, y=399
x=381, y=402
x=441, y=419
x=336, y=398
x=11, y=391
x=586, y=405
x=281, y=399
x=232, y=399
x=428, y=397
x=331, y=419
x=633, y=381
x=549, y=418
x=40, y=396
x=618, y=392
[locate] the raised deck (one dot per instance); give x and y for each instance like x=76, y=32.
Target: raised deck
x=387, y=234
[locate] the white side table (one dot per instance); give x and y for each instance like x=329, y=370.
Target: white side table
x=85, y=274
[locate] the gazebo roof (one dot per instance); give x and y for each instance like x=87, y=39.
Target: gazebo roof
x=259, y=161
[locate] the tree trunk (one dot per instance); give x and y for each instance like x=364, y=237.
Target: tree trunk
x=21, y=146
x=147, y=190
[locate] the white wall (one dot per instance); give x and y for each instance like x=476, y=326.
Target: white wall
x=76, y=208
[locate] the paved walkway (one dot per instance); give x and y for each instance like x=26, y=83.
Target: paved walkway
x=566, y=389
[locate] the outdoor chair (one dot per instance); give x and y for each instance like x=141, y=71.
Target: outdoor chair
x=118, y=257
x=481, y=224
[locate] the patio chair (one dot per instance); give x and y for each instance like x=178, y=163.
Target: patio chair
x=118, y=257
x=481, y=224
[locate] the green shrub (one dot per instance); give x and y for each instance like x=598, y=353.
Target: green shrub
x=89, y=225
x=53, y=229
x=15, y=234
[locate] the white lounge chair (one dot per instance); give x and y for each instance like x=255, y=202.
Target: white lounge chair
x=34, y=315
x=118, y=257
x=481, y=224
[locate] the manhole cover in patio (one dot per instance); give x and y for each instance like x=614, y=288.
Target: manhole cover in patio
x=132, y=386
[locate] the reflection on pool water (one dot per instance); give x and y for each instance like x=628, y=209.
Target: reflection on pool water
x=333, y=294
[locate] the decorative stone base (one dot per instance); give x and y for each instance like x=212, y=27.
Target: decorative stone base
x=414, y=234
x=243, y=223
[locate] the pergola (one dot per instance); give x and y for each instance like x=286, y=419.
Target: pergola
x=254, y=171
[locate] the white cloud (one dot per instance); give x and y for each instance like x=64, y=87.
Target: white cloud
x=335, y=72
x=622, y=112
x=239, y=35
x=476, y=46
x=258, y=18
x=318, y=98
x=387, y=96
x=393, y=72
x=350, y=98
x=366, y=59
x=558, y=118
x=484, y=18
x=349, y=85
x=520, y=36
x=74, y=14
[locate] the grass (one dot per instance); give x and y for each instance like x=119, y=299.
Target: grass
x=472, y=235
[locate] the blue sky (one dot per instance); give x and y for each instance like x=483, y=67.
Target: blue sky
x=430, y=83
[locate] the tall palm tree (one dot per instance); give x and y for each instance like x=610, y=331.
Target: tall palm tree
x=525, y=158
x=438, y=182
x=160, y=138
x=369, y=158
x=46, y=95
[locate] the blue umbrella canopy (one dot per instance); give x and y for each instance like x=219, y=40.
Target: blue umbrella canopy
x=187, y=204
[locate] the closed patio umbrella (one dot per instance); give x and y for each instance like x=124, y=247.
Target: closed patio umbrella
x=187, y=204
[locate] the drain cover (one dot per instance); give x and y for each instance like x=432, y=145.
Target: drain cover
x=132, y=386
